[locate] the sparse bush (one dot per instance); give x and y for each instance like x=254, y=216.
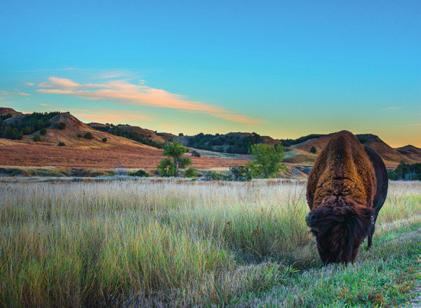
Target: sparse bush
x=88, y=136
x=61, y=125
x=11, y=133
x=191, y=172
x=139, y=173
x=43, y=132
x=214, y=176
x=105, y=139
x=407, y=172
x=61, y=144
x=36, y=138
x=241, y=173
x=166, y=167
x=121, y=130
x=194, y=153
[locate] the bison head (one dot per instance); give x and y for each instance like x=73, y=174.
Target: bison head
x=339, y=227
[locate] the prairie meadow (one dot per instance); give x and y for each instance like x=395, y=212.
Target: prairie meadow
x=178, y=243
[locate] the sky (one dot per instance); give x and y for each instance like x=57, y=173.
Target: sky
x=279, y=68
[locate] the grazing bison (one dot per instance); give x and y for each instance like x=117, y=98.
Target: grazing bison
x=345, y=192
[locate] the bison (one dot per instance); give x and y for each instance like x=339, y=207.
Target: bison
x=345, y=191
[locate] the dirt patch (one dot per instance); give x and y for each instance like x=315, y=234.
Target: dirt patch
x=121, y=156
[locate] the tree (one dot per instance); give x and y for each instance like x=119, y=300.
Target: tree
x=88, y=136
x=175, y=152
x=166, y=167
x=267, y=160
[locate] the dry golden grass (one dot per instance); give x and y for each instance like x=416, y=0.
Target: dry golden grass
x=148, y=241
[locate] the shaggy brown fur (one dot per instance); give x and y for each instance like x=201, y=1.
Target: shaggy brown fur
x=343, y=196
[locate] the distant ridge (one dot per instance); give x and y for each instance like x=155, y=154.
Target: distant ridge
x=59, y=139
x=5, y=111
x=62, y=127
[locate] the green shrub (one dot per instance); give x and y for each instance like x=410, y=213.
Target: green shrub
x=61, y=144
x=43, y=132
x=11, y=133
x=313, y=150
x=214, y=176
x=61, y=125
x=105, y=139
x=166, y=167
x=140, y=173
x=195, y=153
x=241, y=173
x=25, y=125
x=191, y=172
x=408, y=172
x=121, y=130
x=88, y=136
x=36, y=138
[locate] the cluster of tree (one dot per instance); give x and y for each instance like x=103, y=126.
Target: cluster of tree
x=267, y=160
x=290, y=142
x=119, y=131
x=25, y=125
x=266, y=163
x=407, y=172
x=239, y=143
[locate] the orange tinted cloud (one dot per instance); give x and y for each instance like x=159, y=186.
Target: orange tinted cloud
x=139, y=94
x=58, y=82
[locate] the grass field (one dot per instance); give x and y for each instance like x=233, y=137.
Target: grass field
x=144, y=242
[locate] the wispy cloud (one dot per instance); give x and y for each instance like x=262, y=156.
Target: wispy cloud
x=111, y=116
x=139, y=94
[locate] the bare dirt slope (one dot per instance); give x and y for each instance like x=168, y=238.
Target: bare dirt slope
x=81, y=152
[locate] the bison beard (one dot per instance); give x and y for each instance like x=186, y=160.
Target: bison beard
x=345, y=191
x=339, y=229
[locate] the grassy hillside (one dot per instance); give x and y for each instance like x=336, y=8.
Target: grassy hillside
x=238, y=143
x=160, y=242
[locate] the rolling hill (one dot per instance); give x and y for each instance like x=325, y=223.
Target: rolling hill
x=64, y=141
x=60, y=139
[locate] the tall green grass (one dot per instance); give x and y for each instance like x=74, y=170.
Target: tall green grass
x=147, y=242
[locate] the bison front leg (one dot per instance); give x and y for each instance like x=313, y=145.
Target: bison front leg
x=371, y=231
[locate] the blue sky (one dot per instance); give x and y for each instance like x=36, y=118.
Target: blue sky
x=283, y=68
